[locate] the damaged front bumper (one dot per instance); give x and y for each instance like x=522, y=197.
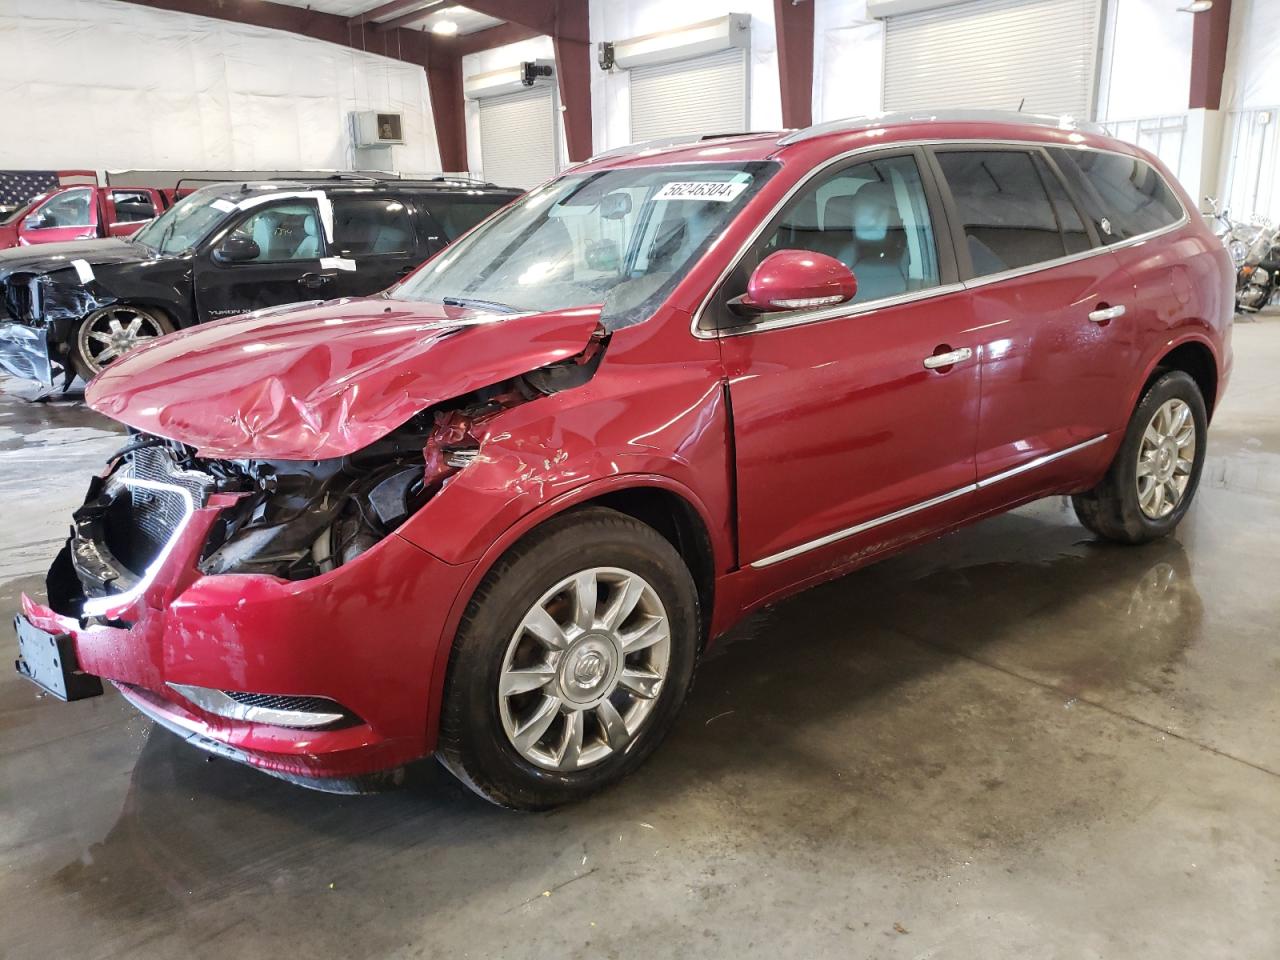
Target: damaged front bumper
x=24, y=351
x=364, y=635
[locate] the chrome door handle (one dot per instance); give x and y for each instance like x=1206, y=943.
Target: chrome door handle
x=1106, y=313
x=947, y=359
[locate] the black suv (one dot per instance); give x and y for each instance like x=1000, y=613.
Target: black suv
x=223, y=250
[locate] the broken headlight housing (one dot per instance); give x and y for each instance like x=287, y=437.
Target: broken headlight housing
x=299, y=519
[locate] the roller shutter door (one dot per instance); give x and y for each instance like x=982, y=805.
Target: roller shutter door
x=518, y=137
x=995, y=54
x=702, y=95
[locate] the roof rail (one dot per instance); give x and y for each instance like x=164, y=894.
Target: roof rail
x=666, y=143
x=870, y=121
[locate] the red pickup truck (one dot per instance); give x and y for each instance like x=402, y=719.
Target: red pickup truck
x=81, y=213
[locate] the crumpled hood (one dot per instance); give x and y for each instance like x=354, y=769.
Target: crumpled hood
x=309, y=382
x=48, y=257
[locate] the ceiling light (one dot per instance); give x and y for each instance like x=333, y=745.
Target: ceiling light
x=1198, y=6
x=446, y=28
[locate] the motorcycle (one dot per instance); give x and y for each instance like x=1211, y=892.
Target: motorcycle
x=1257, y=276
x=1235, y=235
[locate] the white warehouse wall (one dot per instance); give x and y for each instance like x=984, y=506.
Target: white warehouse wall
x=1253, y=56
x=848, y=61
x=112, y=85
x=622, y=19
x=1146, y=60
x=486, y=61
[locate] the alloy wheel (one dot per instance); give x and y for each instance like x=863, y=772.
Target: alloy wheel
x=109, y=333
x=1166, y=456
x=584, y=669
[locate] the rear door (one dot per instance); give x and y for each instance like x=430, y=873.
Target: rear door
x=68, y=214
x=1127, y=201
x=374, y=244
x=846, y=431
x=287, y=269
x=456, y=213
x=1052, y=317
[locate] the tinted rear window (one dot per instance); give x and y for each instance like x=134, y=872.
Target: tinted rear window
x=1123, y=196
x=457, y=215
x=1004, y=207
x=369, y=226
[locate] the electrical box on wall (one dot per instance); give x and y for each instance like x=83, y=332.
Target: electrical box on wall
x=377, y=128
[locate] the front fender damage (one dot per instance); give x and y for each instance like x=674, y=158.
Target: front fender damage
x=298, y=519
x=44, y=309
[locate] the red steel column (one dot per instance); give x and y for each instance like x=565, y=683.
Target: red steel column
x=793, y=25
x=1209, y=56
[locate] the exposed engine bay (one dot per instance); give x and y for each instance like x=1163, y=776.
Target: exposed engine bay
x=292, y=519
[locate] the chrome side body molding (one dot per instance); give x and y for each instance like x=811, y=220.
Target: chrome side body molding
x=923, y=505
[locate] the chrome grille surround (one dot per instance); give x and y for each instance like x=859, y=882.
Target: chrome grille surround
x=158, y=504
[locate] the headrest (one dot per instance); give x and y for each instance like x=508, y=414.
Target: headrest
x=875, y=212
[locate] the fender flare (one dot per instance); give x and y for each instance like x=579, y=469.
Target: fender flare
x=527, y=522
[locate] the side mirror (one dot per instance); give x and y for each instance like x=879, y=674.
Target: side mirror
x=33, y=222
x=237, y=250
x=796, y=280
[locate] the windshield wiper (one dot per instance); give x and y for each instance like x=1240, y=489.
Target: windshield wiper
x=481, y=304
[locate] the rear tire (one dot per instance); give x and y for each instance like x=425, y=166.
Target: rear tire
x=109, y=333
x=571, y=661
x=1150, y=484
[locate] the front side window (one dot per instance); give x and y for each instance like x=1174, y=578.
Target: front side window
x=1124, y=196
x=620, y=238
x=186, y=223
x=371, y=226
x=283, y=232
x=69, y=209
x=132, y=205
x=1004, y=208
x=872, y=217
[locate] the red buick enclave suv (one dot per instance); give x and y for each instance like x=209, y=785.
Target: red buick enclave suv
x=497, y=512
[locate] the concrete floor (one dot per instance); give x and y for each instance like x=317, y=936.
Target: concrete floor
x=1014, y=742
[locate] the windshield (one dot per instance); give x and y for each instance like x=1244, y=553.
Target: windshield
x=621, y=238
x=186, y=223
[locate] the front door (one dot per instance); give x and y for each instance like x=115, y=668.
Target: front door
x=70, y=214
x=845, y=420
x=287, y=268
x=1053, y=317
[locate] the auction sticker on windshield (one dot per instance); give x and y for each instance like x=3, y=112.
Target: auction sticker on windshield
x=721, y=192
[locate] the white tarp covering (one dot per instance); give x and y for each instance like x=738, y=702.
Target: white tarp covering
x=1253, y=56
x=87, y=83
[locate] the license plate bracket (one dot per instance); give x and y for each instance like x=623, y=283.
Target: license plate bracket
x=49, y=661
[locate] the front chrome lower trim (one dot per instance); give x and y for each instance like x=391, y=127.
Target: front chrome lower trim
x=217, y=702
x=982, y=484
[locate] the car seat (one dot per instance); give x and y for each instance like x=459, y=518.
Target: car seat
x=876, y=250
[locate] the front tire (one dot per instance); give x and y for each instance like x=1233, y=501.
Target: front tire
x=1150, y=484
x=571, y=662
x=106, y=335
